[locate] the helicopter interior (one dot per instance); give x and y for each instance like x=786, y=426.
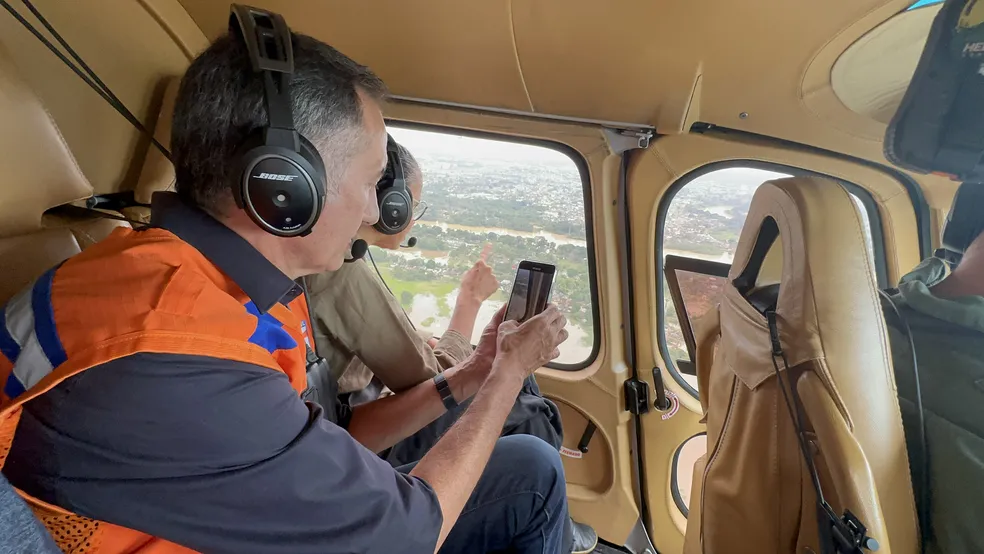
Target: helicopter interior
x=692, y=167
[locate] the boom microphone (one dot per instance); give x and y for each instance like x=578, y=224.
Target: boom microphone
x=359, y=249
x=411, y=242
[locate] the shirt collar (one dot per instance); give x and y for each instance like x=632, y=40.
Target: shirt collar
x=262, y=281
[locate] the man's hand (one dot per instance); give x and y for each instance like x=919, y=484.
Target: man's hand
x=479, y=283
x=524, y=348
x=455, y=463
x=488, y=343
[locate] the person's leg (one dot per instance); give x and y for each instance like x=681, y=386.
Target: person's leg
x=532, y=414
x=519, y=504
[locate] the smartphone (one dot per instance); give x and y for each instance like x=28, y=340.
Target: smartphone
x=531, y=290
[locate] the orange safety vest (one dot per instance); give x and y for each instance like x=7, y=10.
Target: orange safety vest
x=135, y=291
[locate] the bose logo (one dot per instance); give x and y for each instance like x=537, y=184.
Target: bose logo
x=396, y=204
x=275, y=177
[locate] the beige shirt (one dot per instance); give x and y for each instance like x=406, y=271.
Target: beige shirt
x=361, y=329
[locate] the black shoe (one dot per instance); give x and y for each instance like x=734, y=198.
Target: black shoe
x=585, y=538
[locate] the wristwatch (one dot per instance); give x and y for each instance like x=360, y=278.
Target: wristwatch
x=444, y=389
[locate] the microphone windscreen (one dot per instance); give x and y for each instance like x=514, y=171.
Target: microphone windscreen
x=359, y=249
x=411, y=242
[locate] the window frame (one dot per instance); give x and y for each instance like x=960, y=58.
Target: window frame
x=867, y=201
x=690, y=265
x=674, y=482
x=584, y=172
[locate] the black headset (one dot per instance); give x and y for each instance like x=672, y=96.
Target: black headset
x=280, y=180
x=393, y=194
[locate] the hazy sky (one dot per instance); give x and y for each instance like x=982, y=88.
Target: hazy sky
x=424, y=143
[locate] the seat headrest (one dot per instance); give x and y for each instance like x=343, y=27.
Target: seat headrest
x=157, y=173
x=37, y=170
x=965, y=222
x=811, y=230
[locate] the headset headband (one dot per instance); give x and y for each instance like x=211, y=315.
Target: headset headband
x=267, y=40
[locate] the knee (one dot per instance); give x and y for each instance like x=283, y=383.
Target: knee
x=532, y=456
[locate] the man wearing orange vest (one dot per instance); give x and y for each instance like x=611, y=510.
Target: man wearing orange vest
x=153, y=385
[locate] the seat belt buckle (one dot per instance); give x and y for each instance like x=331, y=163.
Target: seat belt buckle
x=852, y=535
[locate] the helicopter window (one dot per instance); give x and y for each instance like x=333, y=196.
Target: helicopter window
x=525, y=200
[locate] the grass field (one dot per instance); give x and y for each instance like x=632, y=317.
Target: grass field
x=437, y=288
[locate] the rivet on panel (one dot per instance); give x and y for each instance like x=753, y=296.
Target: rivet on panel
x=743, y=115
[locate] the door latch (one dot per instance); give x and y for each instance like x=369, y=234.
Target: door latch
x=636, y=396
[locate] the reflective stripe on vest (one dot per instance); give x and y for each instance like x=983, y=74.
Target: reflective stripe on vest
x=28, y=338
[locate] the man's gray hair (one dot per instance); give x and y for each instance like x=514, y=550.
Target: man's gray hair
x=220, y=102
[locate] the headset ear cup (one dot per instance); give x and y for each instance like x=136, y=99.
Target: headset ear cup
x=393, y=198
x=314, y=159
x=247, y=154
x=395, y=210
x=279, y=190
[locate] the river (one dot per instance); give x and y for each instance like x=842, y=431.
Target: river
x=554, y=238
x=725, y=257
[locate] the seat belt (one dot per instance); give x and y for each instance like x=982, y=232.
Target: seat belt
x=838, y=535
x=922, y=470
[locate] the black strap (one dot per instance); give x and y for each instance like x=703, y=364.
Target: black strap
x=444, y=389
x=73, y=210
x=922, y=454
x=838, y=535
x=85, y=73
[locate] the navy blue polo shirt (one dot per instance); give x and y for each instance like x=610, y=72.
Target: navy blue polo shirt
x=216, y=455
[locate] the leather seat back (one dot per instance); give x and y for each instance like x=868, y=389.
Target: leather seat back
x=38, y=173
x=752, y=492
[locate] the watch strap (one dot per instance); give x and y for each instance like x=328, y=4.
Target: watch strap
x=444, y=389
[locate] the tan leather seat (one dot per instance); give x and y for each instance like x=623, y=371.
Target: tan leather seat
x=38, y=173
x=752, y=492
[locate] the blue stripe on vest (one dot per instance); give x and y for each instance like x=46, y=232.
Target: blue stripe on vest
x=44, y=319
x=8, y=346
x=13, y=387
x=269, y=334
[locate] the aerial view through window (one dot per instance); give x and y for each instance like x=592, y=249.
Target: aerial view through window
x=524, y=201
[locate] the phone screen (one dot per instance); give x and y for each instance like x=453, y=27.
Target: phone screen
x=531, y=290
